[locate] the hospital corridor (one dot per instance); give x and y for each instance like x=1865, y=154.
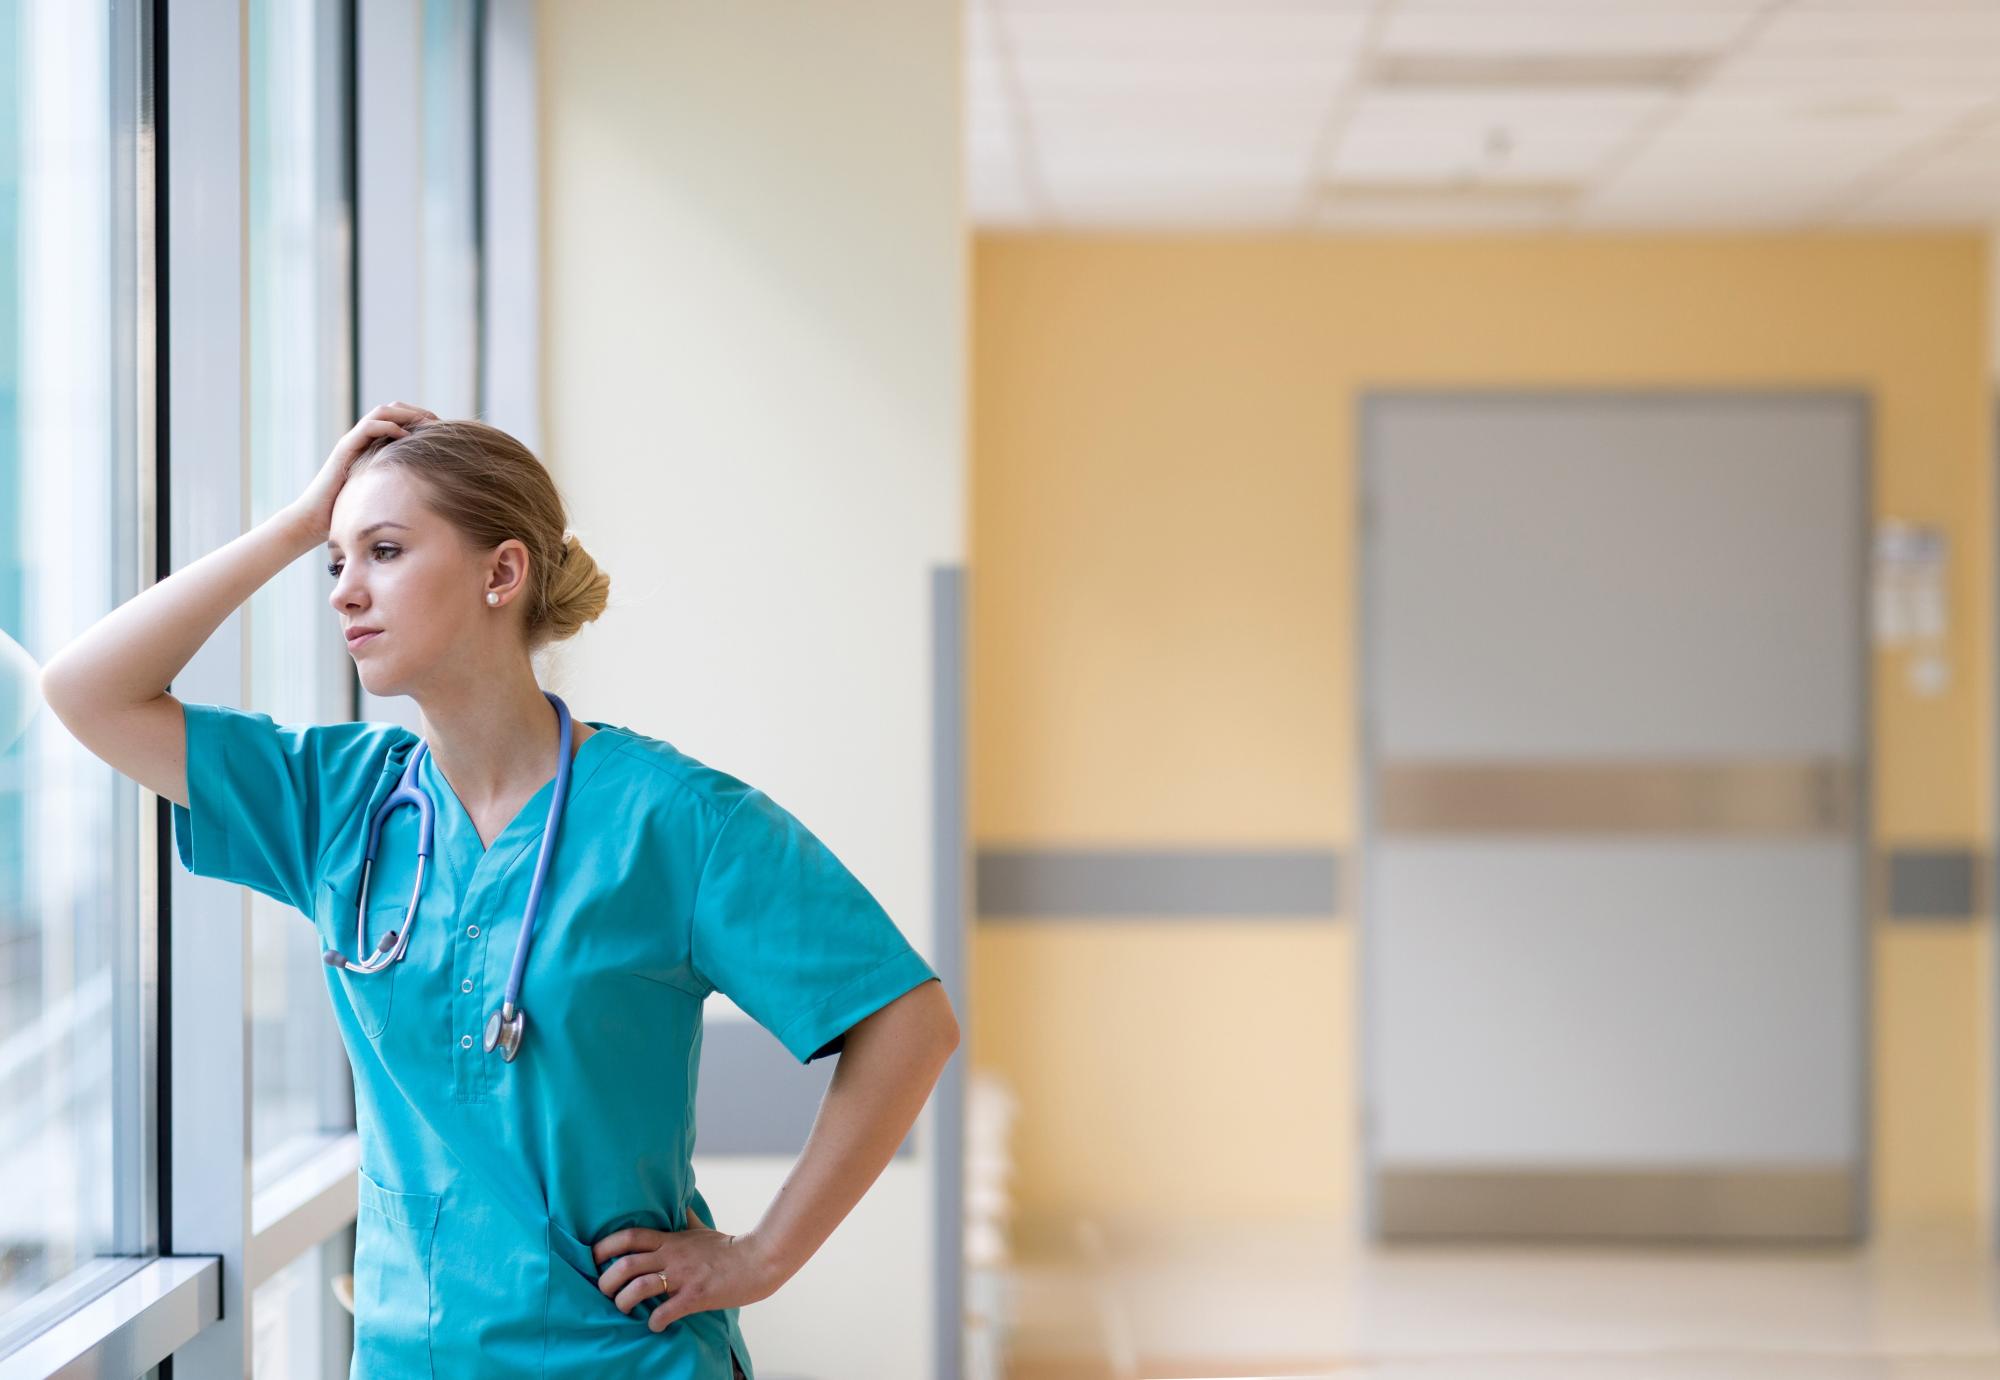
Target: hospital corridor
x=999, y=689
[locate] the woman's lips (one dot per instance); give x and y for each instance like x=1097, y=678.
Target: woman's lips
x=355, y=644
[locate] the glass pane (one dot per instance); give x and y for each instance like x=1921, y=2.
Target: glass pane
x=298, y=1329
x=451, y=209
x=300, y=397
x=76, y=1167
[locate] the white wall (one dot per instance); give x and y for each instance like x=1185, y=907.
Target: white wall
x=754, y=293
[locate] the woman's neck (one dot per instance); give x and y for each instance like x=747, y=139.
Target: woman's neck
x=498, y=748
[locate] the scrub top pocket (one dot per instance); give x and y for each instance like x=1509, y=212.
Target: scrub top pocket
x=393, y=1236
x=370, y=994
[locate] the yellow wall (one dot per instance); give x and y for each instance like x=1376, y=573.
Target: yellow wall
x=1163, y=618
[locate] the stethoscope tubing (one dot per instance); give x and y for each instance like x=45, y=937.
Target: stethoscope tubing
x=550, y=827
x=392, y=945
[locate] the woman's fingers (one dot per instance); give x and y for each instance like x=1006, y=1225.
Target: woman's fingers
x=678, y=1305
x=648, y=1286
x=628, y=1250
x=624, y=1241
x=368, y=430
x=697, y=1262
x=399, y=409
x=685, y=1290
x=635, y=1266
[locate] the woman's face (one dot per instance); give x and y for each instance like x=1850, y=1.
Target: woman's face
x=399, y=568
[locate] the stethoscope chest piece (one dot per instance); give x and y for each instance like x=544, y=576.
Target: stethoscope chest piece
x=506, y=1033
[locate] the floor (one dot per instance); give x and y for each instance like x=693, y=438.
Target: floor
x=1302, y=1302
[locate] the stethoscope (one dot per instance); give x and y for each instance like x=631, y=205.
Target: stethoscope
x=506, y=1026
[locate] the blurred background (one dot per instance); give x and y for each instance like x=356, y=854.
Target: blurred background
x=1399, y=594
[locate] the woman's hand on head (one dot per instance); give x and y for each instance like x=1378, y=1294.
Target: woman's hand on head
x=705, y=1269
x=314, y=507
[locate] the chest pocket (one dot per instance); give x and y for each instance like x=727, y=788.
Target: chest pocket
x=370, y=994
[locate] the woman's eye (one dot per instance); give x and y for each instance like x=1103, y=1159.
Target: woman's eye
x=333, y=567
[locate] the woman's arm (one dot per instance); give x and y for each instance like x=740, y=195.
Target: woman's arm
x=134, y=652
x=888, y=1065
x=109, y=685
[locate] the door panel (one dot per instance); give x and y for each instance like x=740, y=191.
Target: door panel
x=1614, y=872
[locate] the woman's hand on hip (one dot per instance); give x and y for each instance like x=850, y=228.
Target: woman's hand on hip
x=704, y=1268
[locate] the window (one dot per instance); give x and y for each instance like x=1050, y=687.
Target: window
x=85, y=856
x=450, y=264
x=301, y=398
x=76, y=838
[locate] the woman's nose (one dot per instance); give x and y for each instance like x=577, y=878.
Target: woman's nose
x=343, y=596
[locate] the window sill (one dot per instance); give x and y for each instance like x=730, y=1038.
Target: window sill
x=130, y=1327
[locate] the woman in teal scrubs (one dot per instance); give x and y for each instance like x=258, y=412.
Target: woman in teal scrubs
x=539, y=1216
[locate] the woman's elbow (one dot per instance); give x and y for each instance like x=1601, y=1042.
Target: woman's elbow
x=945, y=1022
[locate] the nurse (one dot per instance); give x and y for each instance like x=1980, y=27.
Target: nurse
x=535, y=1215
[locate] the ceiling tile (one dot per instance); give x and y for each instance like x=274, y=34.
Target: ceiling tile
x=1958, y=184
x=1567, y=30
x=1219, y=36
x=1510, y=136
x=1207, y=112
x=1582, y=7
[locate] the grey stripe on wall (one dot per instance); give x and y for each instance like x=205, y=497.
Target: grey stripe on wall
x=1933, y=883
x=1031, y=883
x=754, y=1098
x=1921, y=884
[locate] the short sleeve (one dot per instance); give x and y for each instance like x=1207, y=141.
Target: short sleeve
x=785, y=931
x=265, y=799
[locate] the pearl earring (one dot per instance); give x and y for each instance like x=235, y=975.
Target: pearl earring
x=491, y=597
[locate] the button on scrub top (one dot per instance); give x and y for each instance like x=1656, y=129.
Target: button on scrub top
x=484, y=1183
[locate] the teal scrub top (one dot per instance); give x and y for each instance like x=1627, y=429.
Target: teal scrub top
x=483, y=1183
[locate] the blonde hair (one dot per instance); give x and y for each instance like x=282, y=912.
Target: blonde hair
x=492, y=488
